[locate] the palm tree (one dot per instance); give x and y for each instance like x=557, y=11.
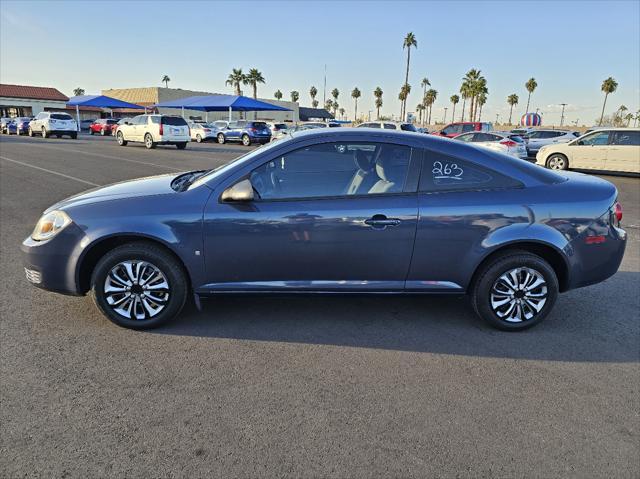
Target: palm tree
x=455, y=99
x=335, y=108
x=531, y=85
x=608, y=86
x=253, y=78
x=378, y=94
x=465, y=92
x=295, y=96
x=335, y=93
x=482, y=99
x=166, y=80
x=402, y=96
x=636, y=118
x=429, y=100
x=474, y=84
x=313, y=91
x=628, y=117
x=235, y=78
x=355, y=94
x=328, y=104
x=342, y=110
x=420, y=109
x=278, y=95
x=314, y=104
x=78, y=92
x=424, y=83
x=409, y=41
x=513, y=101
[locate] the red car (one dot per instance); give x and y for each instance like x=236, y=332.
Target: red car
x=102, y=126
x=454, y=129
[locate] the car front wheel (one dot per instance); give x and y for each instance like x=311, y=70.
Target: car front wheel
x=139, y=286
x=557, y=162
x=121, y=140
x=514, y=291
x=199, y=138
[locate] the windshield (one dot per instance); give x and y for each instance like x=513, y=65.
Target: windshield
x=246, y=157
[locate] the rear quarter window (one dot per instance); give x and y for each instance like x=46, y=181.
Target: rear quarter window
x=442, y=173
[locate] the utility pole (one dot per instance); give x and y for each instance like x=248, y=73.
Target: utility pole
x=324, y=90
x=562, y=114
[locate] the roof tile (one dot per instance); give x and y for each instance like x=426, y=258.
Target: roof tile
x=31, y=92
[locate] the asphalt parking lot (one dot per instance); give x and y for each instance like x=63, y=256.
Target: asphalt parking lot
x=273, y=387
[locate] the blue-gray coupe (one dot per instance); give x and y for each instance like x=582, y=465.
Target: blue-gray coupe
x=340, y=210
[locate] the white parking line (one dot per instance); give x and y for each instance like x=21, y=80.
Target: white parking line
x=50, y=171
x=110, y=157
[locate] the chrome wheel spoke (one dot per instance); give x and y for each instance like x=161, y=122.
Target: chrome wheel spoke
x=518, y=295
x=136, y=290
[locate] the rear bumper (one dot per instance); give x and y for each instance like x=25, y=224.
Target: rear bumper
x=172, y=140
x=594, y=263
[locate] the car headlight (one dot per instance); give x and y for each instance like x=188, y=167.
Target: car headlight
x=50, y=225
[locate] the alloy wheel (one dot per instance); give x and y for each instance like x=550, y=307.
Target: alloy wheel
x=557, y=163
x=519, y=295
x=136, y=290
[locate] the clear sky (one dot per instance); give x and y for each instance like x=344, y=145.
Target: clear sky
x=568, y=46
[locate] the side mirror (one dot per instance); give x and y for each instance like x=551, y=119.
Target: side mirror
x=241, y=191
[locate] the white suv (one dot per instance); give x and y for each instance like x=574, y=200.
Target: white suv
x=48, y=123
x=389, y=125
x=155, y=130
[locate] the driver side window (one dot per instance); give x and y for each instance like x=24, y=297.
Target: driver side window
x=333, y=169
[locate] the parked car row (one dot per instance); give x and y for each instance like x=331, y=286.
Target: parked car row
x=15, y=126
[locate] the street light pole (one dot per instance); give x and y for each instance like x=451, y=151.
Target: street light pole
x=562, y=114
x=444, y=120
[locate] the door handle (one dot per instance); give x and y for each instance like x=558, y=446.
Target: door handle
x=381, y=222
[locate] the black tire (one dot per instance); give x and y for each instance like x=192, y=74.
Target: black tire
x=246, y=140
x=557, y=161
x=198, y=138
x=120, y=139
x=91, y=132
x=181, y=146
x=221, y=138
x=74, y=136
x=158, y=258
x=44, y=133
x=489, y=276
x=148, y=142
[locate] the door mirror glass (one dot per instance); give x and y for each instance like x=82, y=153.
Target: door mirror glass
x=241, y=191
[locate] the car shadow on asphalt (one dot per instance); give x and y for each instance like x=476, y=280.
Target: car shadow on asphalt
x=584, y=325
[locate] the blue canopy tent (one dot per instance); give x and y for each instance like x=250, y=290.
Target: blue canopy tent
x=228, y=103
x=99, y=101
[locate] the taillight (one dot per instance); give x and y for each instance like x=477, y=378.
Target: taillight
x=509, y=143
x=207, y=130
x=253, y=129
x=161, y=129
x=617, y=211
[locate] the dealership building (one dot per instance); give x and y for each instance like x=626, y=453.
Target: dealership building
x=24, y=100
x=151, y=95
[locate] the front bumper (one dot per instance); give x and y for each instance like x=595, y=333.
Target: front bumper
x=53, y=264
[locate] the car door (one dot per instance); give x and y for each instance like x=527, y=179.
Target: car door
x=590, y=151
x=460, y=204
x=326, y=216
x=235, y=129
x=624, y=151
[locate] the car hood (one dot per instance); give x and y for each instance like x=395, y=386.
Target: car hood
x=150, y=186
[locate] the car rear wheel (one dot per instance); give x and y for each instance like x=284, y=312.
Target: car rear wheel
x=30, y=132
x=74, y=136
x=557, y=162
x=44, y=133
x=121, y=140
x=139, y=286
x=221, y=138
x=148, y=141
x=199, y=138
x=515, y=291
x=246, y=141
x=181, y=146
x=91, y=131
x=102, y=132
